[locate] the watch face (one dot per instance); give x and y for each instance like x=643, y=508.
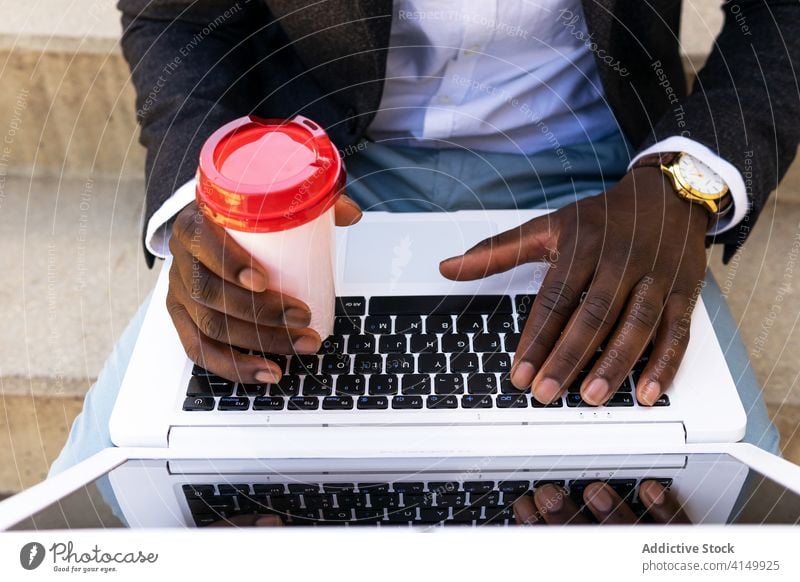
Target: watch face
x=700, y=177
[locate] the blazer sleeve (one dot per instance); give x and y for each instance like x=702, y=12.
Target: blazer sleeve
x=191, y=63
x=745, y=103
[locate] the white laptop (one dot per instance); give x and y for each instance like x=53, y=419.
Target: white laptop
x=422, y=373
x=137, y=488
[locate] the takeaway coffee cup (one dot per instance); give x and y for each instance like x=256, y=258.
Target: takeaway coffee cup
x=272, y=185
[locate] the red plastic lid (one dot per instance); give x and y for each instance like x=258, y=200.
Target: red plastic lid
x=266, y=175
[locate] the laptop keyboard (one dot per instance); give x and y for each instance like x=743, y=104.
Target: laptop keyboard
x=399, y=503
x=403, y=353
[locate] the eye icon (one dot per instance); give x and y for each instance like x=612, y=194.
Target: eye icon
x=31, y=555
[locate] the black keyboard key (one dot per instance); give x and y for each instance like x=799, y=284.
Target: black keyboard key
x=408, y=324
x=506, y=387
x=496, y=362
x=432, y=363
x=488, y=499
x=399, y=363
x=500, y=323
x=361, y=344
x=373, y=487
x=369, y=515
x=386, y=500
x=478, y=486
x=424, y=342
x=469, y=323
x=439, y=304
x=487, y=342
x=467, y=514
x=347, y=325
x=234, y=489
x=288, y=385
x=304, y=488
x=197, y=491
x=336, y=516
x=511, y=342
x=269, y=489
x=418, y=499
x=209, y=386
x=378, y=324
x=319, y=501
x=416, y=384
x=338, y=487
x=407, y=402
x=195, y=403
x=351, y=306
x=318, y=385
x=198, y=370
x=373, y=403
x=482, y=384
x=402, y=515
x=303, y=403
x=337, y=403
x=627, y=385
x=351, y=385
x=451, y=499
x=368, y=364
x=306, y=364
x=409, y=487
x=524, y=303
x=498, y=514
x=383, y=384
x=437, y=401
x=464, y=362
x=392, y=344
x=475, y=401
x=512, y=400
x=434, y=514
x=455, y=342
x=515, y=486
x=336, y=364
x=448, y=384
x=233, y=403
x=333, y=344
x=625, y=488
x=663, y=400
x=351, y=500
x=620, y=399
x=575, y=400
x=441, y=487
x=438, y=324
x=557, y=403
x=251, y=389
x=268, y=403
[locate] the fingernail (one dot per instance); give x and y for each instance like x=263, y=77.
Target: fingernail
x=522, y=376
x=650, y=393
x=596, y=391
x=252, y=279
x=266, y=377
x=549, y=498
x=306, y=344
x=269, y=521
x=600, y=499
x=546, y=390
x=652, y=493
x=296, y=317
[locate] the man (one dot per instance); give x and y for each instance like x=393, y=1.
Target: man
x=443, y=105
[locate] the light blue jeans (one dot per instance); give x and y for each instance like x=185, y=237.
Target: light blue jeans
x=382, y=176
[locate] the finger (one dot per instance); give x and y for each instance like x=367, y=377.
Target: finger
x=532, y=241
x=265, y=308
x=586, y=330
x=217, y=357
x=661, y=503
x=627, y=343
x=525, y=512
x=558, y=298
x=346, y=211
x=225, y=328
x=556, y=507
x=211, y=245
x=671, y=340
x=606, y=506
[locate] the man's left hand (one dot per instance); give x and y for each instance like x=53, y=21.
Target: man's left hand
x=637, y=252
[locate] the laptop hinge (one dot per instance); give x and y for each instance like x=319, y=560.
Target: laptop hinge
x=425, y=441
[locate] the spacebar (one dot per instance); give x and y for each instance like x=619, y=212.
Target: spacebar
x=439, y=304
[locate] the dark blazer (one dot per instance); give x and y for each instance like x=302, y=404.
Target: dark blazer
x=197, y=64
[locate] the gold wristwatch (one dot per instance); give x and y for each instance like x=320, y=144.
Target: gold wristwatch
x=693, y=180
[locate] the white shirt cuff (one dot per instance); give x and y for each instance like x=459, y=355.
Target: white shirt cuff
x=158, y=232
x=726, y=170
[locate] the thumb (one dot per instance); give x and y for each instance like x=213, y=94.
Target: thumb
x=347, y=211
x=532, y=241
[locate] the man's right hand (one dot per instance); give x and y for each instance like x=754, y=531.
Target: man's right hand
x=219, y=297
